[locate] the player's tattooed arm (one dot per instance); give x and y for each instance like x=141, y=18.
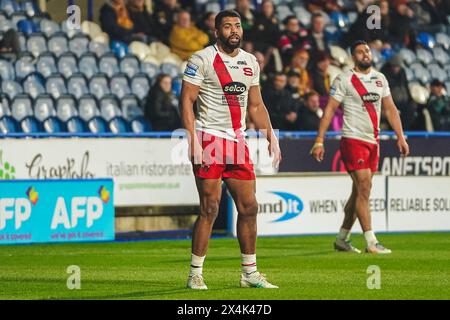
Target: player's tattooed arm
x=189, y=94
x=393, y=117
x=318, y=151
x=260, y=117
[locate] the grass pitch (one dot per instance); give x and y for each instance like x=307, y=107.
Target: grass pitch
x=304, y=267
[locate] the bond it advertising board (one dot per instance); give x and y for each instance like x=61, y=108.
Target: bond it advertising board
x=56, y=211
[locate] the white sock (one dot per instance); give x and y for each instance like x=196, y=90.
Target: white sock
x=196, y=265
x=248, y=263
x=343, y=234
x=370, y=238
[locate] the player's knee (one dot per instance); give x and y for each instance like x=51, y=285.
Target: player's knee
x=363, y=189
x=210, y=209
x=248, y=209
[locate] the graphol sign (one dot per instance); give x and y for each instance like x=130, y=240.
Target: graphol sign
x=56, y=211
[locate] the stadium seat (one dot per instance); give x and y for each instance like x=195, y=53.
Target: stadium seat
x=49, y=27
x=150, y=68
x=97, y=125
x=140, y=85
x=131, y=109
x=441, y=56
x=79, y=44
x=118, y=125
x=443, y=39
x=108, y=64
x=27, y=26
x=9, y=6
x=436, y=72
x=52, y=125
x=139, y=49
x=56, y=86
x=18, y=16
x=4, y=106
x=5, y=25
x=67, y=64
x=119, y=85
x=303, y=15
x=427, y=40
x=87, y=64
x=98, y=48
x=24, y=65
x=29, y=124
x=8, y=125
x=75, y=125
x=98, y=85
x=120, y=49
x=338, y=54
x=72, y=32
x=139, y=125
x=109, y=107
x=91, y=29
x=130, y=66
x=87, y=107
x=58, y=44
x=419, y=93
x=409, y=74
x=77, y=85
x=340, y=20
x=408, y=56
x=37, y=44
x=11, y=88
x=424, y=56
x=66, y=107
x=33, y=84
x=6, y=70
x=176, y=82
x=30, y=8
x=46, y=64
x=44, y=107
x=171, y=69
x=22, y=42
x=21, y=107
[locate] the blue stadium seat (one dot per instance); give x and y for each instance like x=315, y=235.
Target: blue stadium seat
x=129, y=103
x=88, y=107
x=118, y=125
x=67, y=64
x=49, y=27
x=75, y=125
x=119, y=49
x=79, y=44
x=6, y=70
x=56, y=86
x=97, y=125
x=171, y=69
x=150, y=69
x=4, y=106
x=98, y=85
x=66, y=108
x=98, y=48
x=110, y=107
x=87, y=64
x=108, y=64
x=119, y=85
x=77, y=85
x=24, y=65
x=9, y=6
x=140, y=85
x=176, y=86
x=53, y=125
x=33, y=84
x=11, y=88
x=46, y=64
x=29, y=124
x=340, y=20
x=44, y=107
x=129, y=65
x=58, y=44
x=37, y=44
x=27, y=26
x=8, y=125
x=19, y=16
x=21, y=107
x=427, y=40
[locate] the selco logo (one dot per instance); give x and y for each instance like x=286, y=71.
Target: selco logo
x=371, y=97
x=234, y=88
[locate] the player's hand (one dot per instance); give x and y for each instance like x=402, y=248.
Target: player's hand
x=318, y=151
x=403, y=147
x=274, y=149
x=196, y=153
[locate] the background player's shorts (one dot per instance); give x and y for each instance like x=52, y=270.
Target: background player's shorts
x=357, y=154
x=223, y=158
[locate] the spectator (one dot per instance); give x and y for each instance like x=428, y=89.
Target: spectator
x=281, y=107
x=439, y=106
x=266, y=30
x=186, y=38
x=164, y=16
x=320, y=75
x=310, y=113
x=299, y=64
x=430, y=16
x=292, y=39
x=144, y=24
x=293, y=84
x=115, y=21
x=396, y=76
x=402, y=19
x=207, y=25
x=361, y=5
x=248, y=18
x=317, y=38
x=161, y=106
x=325, y=5
x=263, y=76
x=10, y=45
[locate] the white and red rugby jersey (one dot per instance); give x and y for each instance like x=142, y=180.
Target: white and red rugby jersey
x=360, y=95
x=224, y=83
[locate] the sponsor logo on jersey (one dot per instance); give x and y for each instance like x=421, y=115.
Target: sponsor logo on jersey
x=233, y=67
x=234, y=88
x=243, y=63
x=379, y=83
x=191, y=69
x=371, y=97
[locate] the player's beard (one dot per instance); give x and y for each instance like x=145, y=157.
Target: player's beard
x=227, y=44
x=364, y=65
